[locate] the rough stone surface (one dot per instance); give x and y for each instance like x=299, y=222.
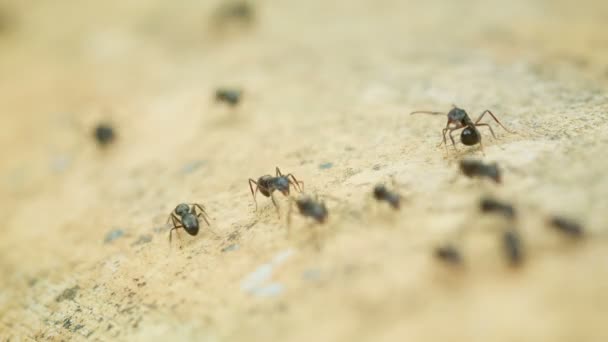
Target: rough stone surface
x=325, y=81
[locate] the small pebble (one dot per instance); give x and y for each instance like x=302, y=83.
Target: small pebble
x=113, y=235
x=142, y=239
x=326, y=166
x=192, y=166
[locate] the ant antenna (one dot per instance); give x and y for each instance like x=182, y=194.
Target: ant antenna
x=426, y=112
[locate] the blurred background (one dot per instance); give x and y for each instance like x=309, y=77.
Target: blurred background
x=326, y=88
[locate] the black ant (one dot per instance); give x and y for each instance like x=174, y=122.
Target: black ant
x=513, y=247
x=488, y=205
x=566, y=226
x=459, y=119
x=185, y=216
x=229, y=96
x=309, y=207
x=268, y=184
x=382, y=193
x=472, y=168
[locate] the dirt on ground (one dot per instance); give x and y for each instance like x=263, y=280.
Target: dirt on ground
x=327, y=88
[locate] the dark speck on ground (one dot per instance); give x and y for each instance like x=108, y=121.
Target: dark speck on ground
x=192, y=166
x=60, y=163
x=68, y=294
x=326, y=166
x=113, y=235
x=142, y=240
x=230, y=248
x=104, y=134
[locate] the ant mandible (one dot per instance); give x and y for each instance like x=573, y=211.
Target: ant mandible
x=459, y=119
x=268, y=184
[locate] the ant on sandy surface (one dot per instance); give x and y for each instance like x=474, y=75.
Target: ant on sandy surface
x=459, y=119
x=309, y=207
x=511, y=239
x=185, y=216
x=513, y=248
x=491, y=205
x=382, y=193
x=229, y=96
x=566, y=226
x=476, y=168
x=268, y=184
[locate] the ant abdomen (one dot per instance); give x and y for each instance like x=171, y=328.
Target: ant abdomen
x=470, y=136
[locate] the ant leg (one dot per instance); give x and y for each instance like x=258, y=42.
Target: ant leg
x=490, y=127
x=495, y=119
x=174, y=218
x=202, y=214
x=275, y=204
x=443, y=131
x=254, y=193
x=171, y=232
x=452, y=138
x=481, y=146
x=176, y=225
x=296, y=182
x=278, y=172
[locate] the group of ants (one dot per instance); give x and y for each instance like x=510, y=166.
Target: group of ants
x=186, y=216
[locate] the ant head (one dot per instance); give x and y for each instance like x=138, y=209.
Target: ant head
x=469, y=136
x=182, y=209
x=282, y=184
x=456, y=115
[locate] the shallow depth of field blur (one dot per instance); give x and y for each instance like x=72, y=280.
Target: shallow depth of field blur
x=326, y=91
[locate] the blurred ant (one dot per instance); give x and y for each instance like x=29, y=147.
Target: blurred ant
x=229, y=96
x=566, y=226
x=459, y=119
x=382, y=193
x=513, y=247
x=185, y=216
x=449, y=254
x=104, y=134
x=309, y=207
x=268, y=184
x=488, y=205
x=472, y=168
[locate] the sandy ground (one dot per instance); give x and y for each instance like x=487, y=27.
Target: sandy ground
x=327, y=88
